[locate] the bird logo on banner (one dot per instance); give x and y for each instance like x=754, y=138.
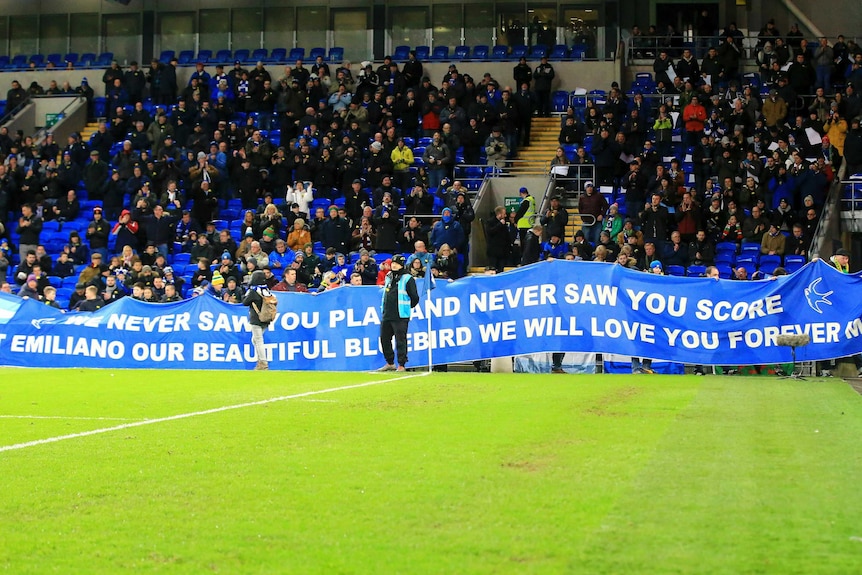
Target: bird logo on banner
x=815, y=298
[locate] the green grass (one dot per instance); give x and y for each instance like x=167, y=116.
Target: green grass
x=450, y=473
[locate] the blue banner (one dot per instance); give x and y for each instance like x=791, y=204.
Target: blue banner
x=546, y=307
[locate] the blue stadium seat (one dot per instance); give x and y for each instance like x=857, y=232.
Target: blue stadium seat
x=185, y=58
x=181, y=259
x=315, y=52
x=401, y=53
x=51, y=226
x=749, y=248
x=56, y=59
x=260, y=55
x=166, y=56
x=242, y=55
x=423, y=52
x=793, y=262
x=229, y=214
x=769, y=263
x=19, y=61
x=278, y=55
x=675, y=270
x=752, y=79
x=87, y=60
x=696, y=271
x=560, y=52
x=204, y=56
x=724, y=271
x=440, y=53
x=296, y=54
x=462, y=53
x=560, y=101
x=105, y=59
x=336, y=54
x=37, y=59
x=725, y=247
x=480, y=52
x=728, y=258
x=519, y=51
x=500, y=53
x=71, y=57
x=538, y=51
x=223, y=57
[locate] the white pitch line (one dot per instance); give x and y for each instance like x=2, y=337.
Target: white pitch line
x=70, y=417
x=204, y=412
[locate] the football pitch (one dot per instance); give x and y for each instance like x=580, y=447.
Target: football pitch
x=194, y=472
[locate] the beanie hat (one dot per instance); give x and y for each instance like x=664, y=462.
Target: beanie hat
x=217, y=278
x=269, y=233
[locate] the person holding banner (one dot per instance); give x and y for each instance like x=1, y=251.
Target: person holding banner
x=400, y=295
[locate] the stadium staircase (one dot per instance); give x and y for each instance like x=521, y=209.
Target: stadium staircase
x=88, y=130
x=544, y=140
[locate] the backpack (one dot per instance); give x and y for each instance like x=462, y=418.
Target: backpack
x=266, y=312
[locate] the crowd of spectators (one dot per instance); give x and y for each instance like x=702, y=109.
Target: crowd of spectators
x=699, y=155
x=318, y=175
x=242, y=171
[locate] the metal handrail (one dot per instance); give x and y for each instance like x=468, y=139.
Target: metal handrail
x=833, y=199
x=41, y=133
x=650, y=46
x=11, y=113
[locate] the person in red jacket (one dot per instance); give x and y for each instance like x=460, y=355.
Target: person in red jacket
x=126, y=230
x=694, y=116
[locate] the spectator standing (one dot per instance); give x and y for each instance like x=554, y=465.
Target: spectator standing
x=29, y=228
x=543, y=78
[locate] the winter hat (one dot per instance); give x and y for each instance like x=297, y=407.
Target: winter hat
x=217, y=278
x=269, y=233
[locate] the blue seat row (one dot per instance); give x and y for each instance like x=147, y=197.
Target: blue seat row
x=484, y=52
x=248, y=57
x=88, y=60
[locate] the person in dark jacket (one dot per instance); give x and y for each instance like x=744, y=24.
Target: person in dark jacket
x=253, y=298
x=335, y=232
x=532, y=248
x=543, y=77
x=399, y=297
x=499, y=243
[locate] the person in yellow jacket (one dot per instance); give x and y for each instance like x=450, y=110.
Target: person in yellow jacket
x=836, y=131
x=402, y=159
x=526, y=215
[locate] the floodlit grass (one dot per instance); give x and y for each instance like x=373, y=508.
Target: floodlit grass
x=449, y=473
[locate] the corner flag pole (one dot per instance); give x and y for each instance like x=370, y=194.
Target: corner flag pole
x=428, y=286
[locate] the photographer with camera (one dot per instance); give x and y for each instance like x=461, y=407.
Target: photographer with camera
x=496, y=148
